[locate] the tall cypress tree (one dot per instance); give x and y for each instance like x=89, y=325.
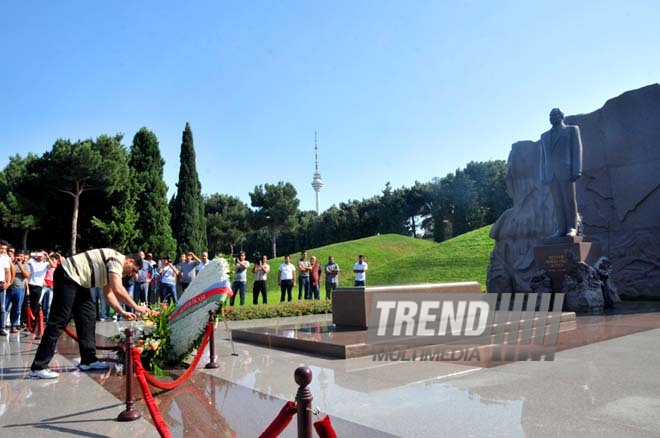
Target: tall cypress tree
x=188, y=221
x=153, y=214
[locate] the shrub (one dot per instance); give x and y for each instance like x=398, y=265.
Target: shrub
x=294, y=308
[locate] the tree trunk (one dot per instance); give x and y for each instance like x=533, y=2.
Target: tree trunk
x=25, y=235
x=273, y=238
x=414, y=228
x=231, y=249
x=74, y=222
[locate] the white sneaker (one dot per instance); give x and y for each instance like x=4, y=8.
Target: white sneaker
x=98, y=365
x=43, y=374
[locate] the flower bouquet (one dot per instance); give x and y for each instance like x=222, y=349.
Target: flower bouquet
x=151, y=336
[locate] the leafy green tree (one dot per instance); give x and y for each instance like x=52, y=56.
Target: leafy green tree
x=490, y=185
x=305, y=230
x=392, y=217
x=417, y=201
x=18, y=210
x=188, y=222
x=117, y=227
x=226, y=221
x=277, y=206
x=85, y=166
x=151, y=206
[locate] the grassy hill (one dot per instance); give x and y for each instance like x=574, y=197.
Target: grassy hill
x=463, y=258
x=378, y=250
x=396, y=259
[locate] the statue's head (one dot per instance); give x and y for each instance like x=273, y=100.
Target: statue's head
x=556, y=116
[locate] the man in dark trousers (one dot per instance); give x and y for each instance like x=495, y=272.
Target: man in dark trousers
x=561, y=166
x=72, y=281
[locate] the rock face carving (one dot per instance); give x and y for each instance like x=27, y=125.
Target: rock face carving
x=618, y=197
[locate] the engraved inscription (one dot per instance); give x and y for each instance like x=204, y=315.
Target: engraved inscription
x=556, y=264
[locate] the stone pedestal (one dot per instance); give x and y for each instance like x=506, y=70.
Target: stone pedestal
x=555, y=253
x=351, y=306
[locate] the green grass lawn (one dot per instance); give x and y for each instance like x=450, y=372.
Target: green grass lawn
x=463, y=258
x=396, y=259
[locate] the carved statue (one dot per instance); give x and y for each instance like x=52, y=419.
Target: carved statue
x=561, y=166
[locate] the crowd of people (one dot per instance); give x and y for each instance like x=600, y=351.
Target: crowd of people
x=308, y=274
x=74, y=287
x=26, y=281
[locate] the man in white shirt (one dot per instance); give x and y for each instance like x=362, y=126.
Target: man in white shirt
x=360, y=269
x=201, y=263
x=286, y=278
x=39, y=265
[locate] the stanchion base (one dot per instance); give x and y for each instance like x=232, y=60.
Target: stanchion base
x=129, y=415
x=212, y=365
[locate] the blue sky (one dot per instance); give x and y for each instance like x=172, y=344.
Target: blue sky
x=397, y=90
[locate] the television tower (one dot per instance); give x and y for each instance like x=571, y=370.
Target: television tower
x=317, y=182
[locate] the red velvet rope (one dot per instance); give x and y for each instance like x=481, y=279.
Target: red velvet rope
x=39, y=328
x=30, y=318
x=171, y=385
x=68, y=331
x=324, y=428
x=277, y=426
x=157, y=418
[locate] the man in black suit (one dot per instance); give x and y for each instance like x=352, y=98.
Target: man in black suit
x=561, y=166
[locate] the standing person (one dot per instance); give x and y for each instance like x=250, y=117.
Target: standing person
x=314, y=279
x=154, y=279
x=303, y=276
x=5, y=282
x=16, y=291
x=188, y=270
x=360, y=269
x=286, y=278
x=260, y=286
x=39, y=267
x=144, y=276
x=47, y=295
x=129, y=285
x=331, y=277
x=179, y=267
x=240, y=278
x=72, y=281
x=201, y=264
x=102, y=308
x=168, y=275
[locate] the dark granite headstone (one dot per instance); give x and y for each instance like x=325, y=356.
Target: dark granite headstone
x=556, y=255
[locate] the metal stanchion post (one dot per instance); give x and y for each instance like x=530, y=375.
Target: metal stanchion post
x=303, y=377
x=212, y=363
x=129, y=414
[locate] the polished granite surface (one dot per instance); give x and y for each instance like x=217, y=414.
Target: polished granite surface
x=327, y=339
x=603, y=382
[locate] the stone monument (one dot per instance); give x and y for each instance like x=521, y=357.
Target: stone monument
x=562, y=254
x=618, y=197
x=561, y=166
x=522, y=227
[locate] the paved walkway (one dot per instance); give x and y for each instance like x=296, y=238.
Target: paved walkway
x=606, y=384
